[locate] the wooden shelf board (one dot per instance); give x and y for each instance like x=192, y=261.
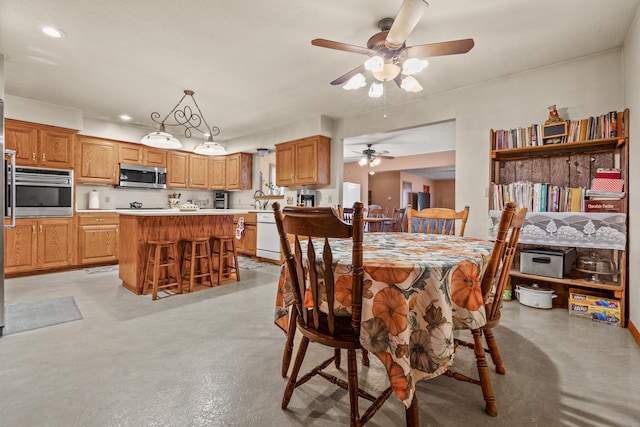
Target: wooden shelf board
x=569, y=282
x=274, y=197
x=552, y=149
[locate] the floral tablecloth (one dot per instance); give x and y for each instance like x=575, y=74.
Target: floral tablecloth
x=418, y=288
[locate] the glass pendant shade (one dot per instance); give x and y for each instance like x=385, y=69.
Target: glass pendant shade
x=355, y=82
x=363, y=161
x=414, y=65
x=375, y=162
x=161, y=139
x=410, y=84
x=376, y=90
x=388, y=72
x=374, y=64
x=210, y=148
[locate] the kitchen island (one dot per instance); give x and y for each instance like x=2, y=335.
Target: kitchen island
x=138, y=227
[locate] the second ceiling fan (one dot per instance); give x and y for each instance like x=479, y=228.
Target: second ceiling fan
x=389, y=56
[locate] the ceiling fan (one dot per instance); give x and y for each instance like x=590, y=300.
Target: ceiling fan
x=372, y=157
x=389, y=54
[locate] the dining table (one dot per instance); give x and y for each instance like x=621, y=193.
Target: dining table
x=376, y=223
x=418, y=288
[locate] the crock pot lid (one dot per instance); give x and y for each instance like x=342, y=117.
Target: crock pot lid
x=535, y=288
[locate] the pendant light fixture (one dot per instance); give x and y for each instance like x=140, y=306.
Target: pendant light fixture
x=188, y=119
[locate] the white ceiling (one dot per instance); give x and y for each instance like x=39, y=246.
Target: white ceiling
x=252, y=65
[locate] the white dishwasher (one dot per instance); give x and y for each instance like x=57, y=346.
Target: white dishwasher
x=268, y=241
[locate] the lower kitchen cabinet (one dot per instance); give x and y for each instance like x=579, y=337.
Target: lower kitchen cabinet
x=38, y=244
x=98, y=238
x=247, y=243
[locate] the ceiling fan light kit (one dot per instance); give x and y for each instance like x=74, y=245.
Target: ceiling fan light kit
x=188, y=119
x=389, y=54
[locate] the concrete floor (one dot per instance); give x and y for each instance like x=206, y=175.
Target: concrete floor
x=212, y=358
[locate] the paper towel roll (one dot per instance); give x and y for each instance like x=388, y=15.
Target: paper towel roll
x=94, y=200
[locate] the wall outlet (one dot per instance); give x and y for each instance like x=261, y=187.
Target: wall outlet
x=107, y=199
x=330, y=199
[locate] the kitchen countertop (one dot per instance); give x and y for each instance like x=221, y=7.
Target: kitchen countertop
x=164, y=212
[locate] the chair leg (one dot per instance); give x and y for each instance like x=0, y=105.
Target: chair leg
x=288, y=347
x=483, y=374
x=365, y=357
x=493, y=350
x=293, y=378
x=336, y=354
x=352, y=372
x=412, y=413
x=156, y=272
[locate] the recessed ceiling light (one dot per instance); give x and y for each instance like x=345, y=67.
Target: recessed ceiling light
x=124, y=117
x=53, y=32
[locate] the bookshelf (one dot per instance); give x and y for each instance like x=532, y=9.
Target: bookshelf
x=568, y=165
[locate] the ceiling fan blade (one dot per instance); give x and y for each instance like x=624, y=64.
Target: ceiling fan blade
x=408, y=16
x=386, y=157
x=341, y=46
x=345, y=77
x=453, y=47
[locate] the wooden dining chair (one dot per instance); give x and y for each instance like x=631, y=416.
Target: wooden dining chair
x=337, y=332
x=397, y=220
x=376, y=213
x=493, y=283
x=347, y=215
x=437, y=220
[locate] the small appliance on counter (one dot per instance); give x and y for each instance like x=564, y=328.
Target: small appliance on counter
x=220, y=200
x=307, y=197
x=94, y=200
x=547, y=262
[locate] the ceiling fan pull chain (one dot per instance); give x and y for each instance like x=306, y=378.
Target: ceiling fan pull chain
x=384, y=108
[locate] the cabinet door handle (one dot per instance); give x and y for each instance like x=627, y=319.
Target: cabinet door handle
x=41, y=228
x=33, y=228
x=100, y=219
x=33, y=156
x=44, y=157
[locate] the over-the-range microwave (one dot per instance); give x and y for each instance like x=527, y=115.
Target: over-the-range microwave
x=139, y=176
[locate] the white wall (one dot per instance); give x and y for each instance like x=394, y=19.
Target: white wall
x=632, y=101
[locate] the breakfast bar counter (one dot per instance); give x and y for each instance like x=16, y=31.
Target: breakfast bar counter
x=139, y=226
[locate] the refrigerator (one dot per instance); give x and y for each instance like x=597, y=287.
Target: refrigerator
x=420, y=200
x=350, y=194
x=7, y=195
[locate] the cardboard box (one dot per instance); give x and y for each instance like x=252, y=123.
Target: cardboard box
x=604, y=205
x=599, y=309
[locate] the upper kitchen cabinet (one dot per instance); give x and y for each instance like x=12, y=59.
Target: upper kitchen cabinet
x=303, y=162
x=217, y=173
x=97, y=161
x=187, y=170
x=40, y=145
x=177, y=169
x=138, y=154
x=239, y=171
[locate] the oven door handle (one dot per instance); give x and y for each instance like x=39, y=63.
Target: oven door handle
x=12, y=187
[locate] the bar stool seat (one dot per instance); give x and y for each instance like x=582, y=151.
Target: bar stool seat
x=224, y=249
x=161, y=271
x=196, y=262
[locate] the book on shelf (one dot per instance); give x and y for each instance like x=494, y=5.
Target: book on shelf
x=609, y=173
x=616, y=205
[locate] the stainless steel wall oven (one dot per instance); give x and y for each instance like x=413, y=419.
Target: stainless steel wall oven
x=40, y=192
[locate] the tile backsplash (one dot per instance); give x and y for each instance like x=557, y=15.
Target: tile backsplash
x=113, y=198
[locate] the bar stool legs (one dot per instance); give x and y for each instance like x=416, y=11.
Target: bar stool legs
x=162, y=270
x=196, y=262
x=224, y=248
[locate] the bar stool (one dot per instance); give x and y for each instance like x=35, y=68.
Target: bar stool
x=196, y=261
x=162, y=266
x=225, y=251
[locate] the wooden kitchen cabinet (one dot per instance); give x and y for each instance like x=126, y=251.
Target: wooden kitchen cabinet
x=98, y=235
x=40, y=145
x=187, y=170
x=247, y=243
x=39, y=244
x=97, y=161
x=198, y=171
x=239, y=171
x=138, y=154
x=303, y=162
x=177, y=169
x=217, y=173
